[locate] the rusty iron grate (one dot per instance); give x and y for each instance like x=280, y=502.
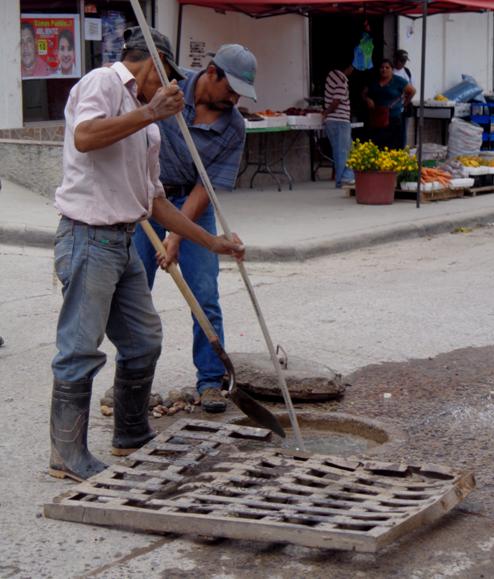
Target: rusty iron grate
x=222, y=480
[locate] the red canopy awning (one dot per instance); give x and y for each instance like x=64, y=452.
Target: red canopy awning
x=259, y=9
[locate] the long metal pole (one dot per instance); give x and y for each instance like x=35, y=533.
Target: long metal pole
x=422, y=93
x=214, y=200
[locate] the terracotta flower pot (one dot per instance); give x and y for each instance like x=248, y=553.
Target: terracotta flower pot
x=375, y=187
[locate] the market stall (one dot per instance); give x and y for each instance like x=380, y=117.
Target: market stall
x=410, y=8
x=285, y=130
x=287, y=127
x=260, y=9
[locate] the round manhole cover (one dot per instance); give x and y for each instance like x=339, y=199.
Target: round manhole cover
x=306, y=380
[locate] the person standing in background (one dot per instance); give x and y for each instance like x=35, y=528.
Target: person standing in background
x=337, y=120
x=399, y=62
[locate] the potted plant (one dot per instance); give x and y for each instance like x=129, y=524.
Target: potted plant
x=376, y=171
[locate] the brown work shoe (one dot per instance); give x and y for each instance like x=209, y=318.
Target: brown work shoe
x=212, y=400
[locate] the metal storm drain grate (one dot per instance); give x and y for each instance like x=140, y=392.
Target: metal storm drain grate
x=221, y=480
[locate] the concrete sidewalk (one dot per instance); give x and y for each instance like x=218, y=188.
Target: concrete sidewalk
x=310, y=221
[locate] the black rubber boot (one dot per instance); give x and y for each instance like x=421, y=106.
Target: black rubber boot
x=70, y=456
x=131, y=391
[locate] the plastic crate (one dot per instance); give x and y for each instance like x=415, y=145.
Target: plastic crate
x=478, y=109
x=481, y=119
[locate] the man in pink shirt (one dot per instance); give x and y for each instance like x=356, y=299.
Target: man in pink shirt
x=111, y=181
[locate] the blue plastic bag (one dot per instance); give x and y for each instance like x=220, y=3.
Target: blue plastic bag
x=362, y=55
x=465, y=91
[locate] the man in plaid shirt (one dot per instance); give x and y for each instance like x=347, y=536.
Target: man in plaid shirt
x=218, y=130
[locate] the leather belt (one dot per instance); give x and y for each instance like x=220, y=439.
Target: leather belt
x=177, y=190
x=128, y=227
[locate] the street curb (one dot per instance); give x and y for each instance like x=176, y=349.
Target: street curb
x=368, y=239
x=25, y=235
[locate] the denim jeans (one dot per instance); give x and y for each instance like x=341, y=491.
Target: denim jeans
x=200, y=269
x=104, y=291
x=340, y=136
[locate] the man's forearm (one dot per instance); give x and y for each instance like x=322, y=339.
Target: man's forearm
x=196, y=203
x=408, y=94
x=174, y=220
x=335, y=103
x=99, y=133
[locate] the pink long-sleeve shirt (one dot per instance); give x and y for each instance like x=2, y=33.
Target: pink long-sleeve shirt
x=116, y=184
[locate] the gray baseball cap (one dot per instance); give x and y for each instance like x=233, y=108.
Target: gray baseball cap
x=240, y=67
x=134, y=39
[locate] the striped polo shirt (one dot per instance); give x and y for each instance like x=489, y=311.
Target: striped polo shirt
x=336, y=87
x=220, y=144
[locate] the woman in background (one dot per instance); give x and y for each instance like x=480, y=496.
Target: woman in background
x=385, y=99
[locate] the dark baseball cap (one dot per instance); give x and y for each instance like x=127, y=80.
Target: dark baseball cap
x=240, y=67
x=134, y=39
x=402, y=55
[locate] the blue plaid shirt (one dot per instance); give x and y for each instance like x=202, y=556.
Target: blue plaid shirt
x=220, y=144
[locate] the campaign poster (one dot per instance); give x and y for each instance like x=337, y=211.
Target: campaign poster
x=50, y=46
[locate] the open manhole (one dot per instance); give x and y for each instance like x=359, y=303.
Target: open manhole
x=333, y=433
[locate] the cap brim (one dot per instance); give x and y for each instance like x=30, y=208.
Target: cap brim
x=241, y=88
x=177, y=72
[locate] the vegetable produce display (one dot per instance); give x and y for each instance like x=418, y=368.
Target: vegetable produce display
x=432, y=175
x=454, y=167
x=475, y=161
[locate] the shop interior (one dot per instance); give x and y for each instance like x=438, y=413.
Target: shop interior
x=333, y=35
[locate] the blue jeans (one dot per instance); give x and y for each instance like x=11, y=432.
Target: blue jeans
x=340, y=136
x=104, y=291
x=200, y=269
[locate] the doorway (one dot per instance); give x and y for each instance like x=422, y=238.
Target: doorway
x=335, y=36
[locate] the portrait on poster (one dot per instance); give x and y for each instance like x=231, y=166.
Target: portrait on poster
x=50, y=46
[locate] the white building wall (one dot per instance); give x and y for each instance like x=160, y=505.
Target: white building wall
x=166, y=19
x=456, y=44
x=279, y=43
x=10, y=69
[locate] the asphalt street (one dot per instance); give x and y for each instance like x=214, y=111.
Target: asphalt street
x=367, y=313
